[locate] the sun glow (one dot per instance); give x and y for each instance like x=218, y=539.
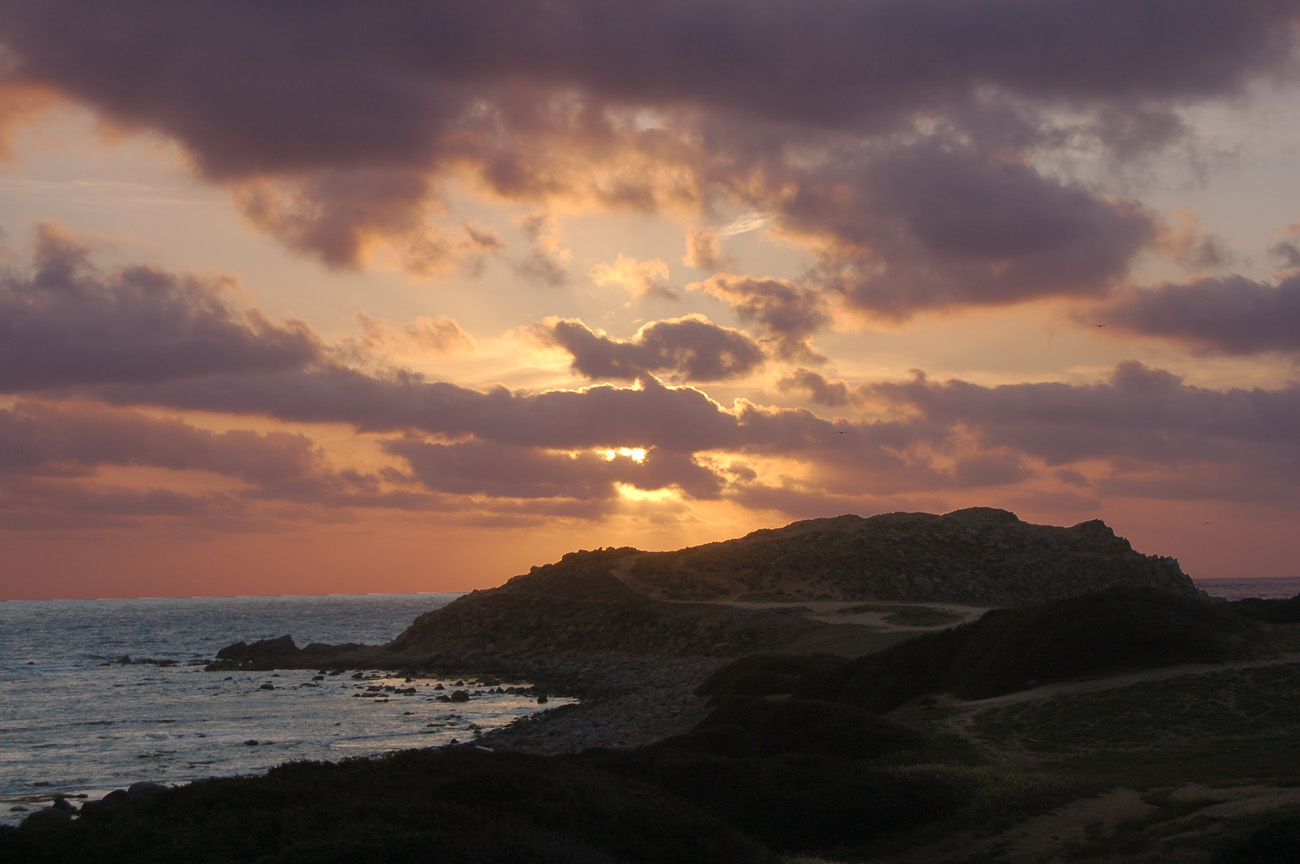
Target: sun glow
x=636, y=454
x=631, y=493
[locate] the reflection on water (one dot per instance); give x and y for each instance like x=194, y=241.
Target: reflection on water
x=74, y=720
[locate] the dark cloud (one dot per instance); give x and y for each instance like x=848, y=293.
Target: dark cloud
x=1288, y=250
x=1142, y=415
x=66, y=323
x=1230, y=315
x=51, y=505
x=683, y=349
x=820, y=389
x=250, y=89
x=677, y=419
x=75, y=439
x=514, y=471
x=789, y=313
x=931, y=226
x=338, y=133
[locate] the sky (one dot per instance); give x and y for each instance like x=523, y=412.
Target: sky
x=312, y=298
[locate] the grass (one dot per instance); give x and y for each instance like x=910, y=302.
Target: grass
x=1253, y=705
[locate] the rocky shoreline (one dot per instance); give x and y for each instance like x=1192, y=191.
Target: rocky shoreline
x=624, y=699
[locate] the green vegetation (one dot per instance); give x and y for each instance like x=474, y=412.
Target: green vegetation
x=1253, y=705
x=1012, y=649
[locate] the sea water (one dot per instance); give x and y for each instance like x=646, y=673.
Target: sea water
x=74, y=720
x=1269, y=588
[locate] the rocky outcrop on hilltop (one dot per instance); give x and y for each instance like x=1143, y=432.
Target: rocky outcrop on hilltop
x=579, y=606
x=677, y=603
x=980, y=556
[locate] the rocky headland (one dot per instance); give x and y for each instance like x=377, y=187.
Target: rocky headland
x=753, y=594
x=635, y=633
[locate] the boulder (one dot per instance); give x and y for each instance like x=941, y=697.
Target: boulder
x=264, y=653
x=48, y=816
x=141, y=790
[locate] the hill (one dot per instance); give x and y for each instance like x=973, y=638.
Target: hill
x=745, y=595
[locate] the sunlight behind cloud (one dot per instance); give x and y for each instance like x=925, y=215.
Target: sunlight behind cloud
x=631, y=493
x=636, y=454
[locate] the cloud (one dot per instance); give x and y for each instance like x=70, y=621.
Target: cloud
x=1228, y=315
x=683, y=349
x=638, y=278
x=546, y=262
x=789, y=313
x=440, y=336
x=339, y=138
x=66, y=323
x=1138, y=414
x=931, y=226
x=389, y=84
x=76, y=439
x=821, y=390
x=1288, y=249
x=704, y=251
x=346, y=217
x=514, y=471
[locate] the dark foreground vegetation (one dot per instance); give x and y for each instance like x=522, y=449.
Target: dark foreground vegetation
x=1012, y=649
x=811, y=755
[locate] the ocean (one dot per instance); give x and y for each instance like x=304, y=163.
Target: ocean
x=1273, y=588
x=75, y=721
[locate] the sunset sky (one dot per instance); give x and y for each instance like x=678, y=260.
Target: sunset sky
x=302, y=298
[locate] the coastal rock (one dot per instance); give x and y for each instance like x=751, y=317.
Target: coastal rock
x=140, y=791
x=48, y=816
x=279, y=648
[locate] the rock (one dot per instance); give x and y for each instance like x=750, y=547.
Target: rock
x=459, y=696
x=267, y=686
x=264, y=654
x=140, y=791
x=48, y=816
x=64, y=804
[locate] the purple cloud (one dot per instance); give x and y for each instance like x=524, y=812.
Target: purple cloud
x=516, y=471
x=684, y=349
x=67, y=324
x=1138, y=413
x=1230, y=315
x=342, y=133
x=789, y=313
x=932, y=226
x=820, y=389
